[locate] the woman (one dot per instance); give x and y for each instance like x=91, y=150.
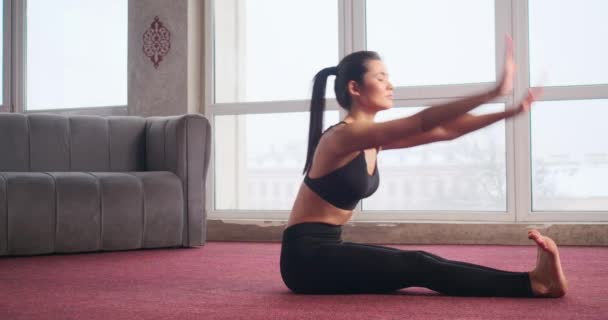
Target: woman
x=341, y=169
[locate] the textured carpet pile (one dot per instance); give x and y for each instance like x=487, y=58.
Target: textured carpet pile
x=242, y=281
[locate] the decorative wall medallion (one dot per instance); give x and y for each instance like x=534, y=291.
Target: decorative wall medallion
x=157, y=42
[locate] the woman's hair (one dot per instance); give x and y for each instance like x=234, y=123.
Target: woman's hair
x=352, y=67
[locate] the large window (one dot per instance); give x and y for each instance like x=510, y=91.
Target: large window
x=568, y=44
x=261, y=55
x=433, y=42
x=569, y=156
x=63, y=55
x=76, y=54
x=259, y=159
x=547, y=165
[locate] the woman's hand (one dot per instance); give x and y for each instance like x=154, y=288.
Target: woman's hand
x=526, y=103
x=505, y=86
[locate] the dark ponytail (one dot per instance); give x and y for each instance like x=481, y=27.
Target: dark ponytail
x=317, y=109
x=352, y=67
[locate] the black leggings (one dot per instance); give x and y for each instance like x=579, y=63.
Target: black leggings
x=314, y=259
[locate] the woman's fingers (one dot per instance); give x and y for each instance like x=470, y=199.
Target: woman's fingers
x=536, y=92
x=506, y=85
x=533, y=95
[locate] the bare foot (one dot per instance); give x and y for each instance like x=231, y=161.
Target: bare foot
x=547, y=279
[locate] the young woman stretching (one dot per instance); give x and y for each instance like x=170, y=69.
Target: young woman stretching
x=341, y=169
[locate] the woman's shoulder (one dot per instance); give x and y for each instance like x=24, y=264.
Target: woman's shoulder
x=335, y=137
x=335, y=125
x=333, y=142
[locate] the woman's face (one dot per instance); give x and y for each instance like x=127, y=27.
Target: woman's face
x=377, y=91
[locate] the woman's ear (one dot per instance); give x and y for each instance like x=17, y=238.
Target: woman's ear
x=353, y=88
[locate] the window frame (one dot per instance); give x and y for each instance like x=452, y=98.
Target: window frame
x=511, y=17
x=6, y=103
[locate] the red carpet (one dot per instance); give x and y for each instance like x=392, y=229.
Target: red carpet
x=242, y=281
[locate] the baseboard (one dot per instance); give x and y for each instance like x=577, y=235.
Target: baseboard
x=419, y=233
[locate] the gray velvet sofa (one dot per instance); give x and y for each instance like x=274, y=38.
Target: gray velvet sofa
x=89, y=183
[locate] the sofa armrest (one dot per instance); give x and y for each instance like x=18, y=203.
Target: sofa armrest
x=182, y=144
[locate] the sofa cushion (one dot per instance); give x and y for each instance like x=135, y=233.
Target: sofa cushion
x=163, y=209
x=122, y=213
x=78, y=212
x=89, y=211
x=89, y=144
x=3, y=218
x=30, y=212
x=127, y=143
x=49, y=142
x=14, y=142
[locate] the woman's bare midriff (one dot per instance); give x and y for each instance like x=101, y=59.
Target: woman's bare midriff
x=309, y=207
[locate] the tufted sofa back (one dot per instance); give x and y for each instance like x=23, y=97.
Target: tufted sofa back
x=46, y=142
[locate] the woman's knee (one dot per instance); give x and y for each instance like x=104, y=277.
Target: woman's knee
x=419, y=254
x=414, y=259
x=429, y=255
x=422, y=261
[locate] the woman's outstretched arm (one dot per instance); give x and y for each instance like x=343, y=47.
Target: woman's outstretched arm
x=469, y=123
x=372, y=135
x=464, y=124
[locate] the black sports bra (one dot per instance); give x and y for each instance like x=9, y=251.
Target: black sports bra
x=345, y=186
